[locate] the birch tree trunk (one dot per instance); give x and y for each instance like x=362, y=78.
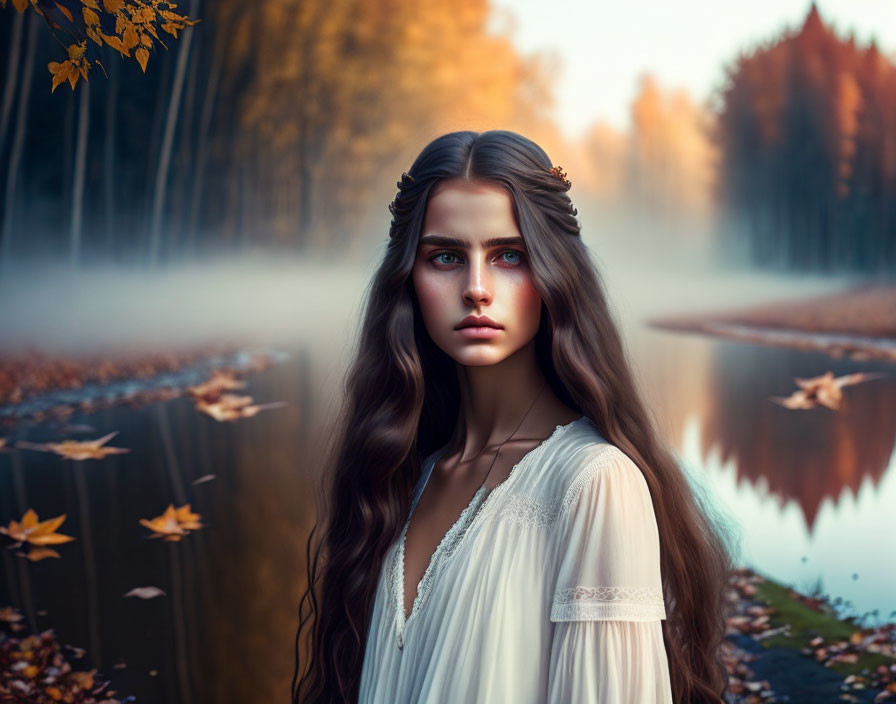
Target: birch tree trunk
x=12, y=74
x=205, y=119
x=18, y=144
x=167, y=141
x=109, y=156
x=80, y=164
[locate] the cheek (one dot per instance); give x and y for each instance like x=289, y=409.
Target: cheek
x=430, y=295
x=529, y=306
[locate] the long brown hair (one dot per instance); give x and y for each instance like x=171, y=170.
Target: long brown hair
x=401, y=402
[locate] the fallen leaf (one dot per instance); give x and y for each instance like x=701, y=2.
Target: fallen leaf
x=10, y=614
x=824, y=390
x=233, y=407
x=146, y=592
x=173, y=523
x=165, y=524
x=34, y=532
x=218, y=382
x=78, y=449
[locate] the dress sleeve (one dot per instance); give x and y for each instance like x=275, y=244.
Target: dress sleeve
x=607, y=602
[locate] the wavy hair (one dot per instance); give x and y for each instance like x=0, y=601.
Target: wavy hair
x=401, y=401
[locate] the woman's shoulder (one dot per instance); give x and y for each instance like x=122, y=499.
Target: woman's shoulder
x=578, y=450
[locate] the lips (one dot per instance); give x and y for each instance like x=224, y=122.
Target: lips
x=478, y=321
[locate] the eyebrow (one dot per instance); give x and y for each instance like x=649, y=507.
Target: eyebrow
x=443, y=241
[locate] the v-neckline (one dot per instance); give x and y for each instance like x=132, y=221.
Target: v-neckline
x=398, y=577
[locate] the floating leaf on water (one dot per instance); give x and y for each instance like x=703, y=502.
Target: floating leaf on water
x=10, y=614
x=149, y=592
x=34, y=532
x=173, y=523
x=78, y=449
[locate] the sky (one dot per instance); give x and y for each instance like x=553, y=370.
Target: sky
x=604, y=46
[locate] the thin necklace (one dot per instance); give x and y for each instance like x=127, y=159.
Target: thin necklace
x=498, y=451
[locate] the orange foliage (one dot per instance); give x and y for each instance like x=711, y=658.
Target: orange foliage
x=136, y=24
x=672, y=156
x=39, y=534
x=173, y=523
x=343, y=94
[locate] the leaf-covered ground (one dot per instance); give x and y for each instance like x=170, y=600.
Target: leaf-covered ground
x=34, y=668
x=38, y=387
x=783, y=646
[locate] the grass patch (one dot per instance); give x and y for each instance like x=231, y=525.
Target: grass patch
x=806, y=624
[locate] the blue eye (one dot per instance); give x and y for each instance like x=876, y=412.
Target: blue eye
x=437, y=255
x=442, y=254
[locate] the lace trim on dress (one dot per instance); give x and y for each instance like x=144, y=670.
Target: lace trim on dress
x=443, y=550
x=608, y=455
x=608, y=604
x=454, y=537
x=528, y=511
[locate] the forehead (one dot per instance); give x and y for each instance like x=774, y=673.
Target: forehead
x=469, y=209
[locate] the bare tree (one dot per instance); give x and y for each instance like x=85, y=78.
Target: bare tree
x=18, y=143
x=158, y=207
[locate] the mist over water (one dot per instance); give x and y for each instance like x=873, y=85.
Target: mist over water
x=259, y=297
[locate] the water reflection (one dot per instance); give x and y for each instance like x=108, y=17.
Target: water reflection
x=807, y=489
x=224, y=631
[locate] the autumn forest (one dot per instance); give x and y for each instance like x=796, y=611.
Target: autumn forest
x=286, y=125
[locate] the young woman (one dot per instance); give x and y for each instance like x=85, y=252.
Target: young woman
x=501, y=522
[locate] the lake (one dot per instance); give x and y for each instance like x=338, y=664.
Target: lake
x=804, y=491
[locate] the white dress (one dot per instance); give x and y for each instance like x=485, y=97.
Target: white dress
x=546, y=589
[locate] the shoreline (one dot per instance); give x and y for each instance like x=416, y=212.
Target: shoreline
x=858, y=322
x=779, y=646
x=784, y=646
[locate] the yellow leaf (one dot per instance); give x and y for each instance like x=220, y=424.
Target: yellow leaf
x=91, y=19
x=94, y=35
x=130, y=38
x=165, y=524
x=20, y=5
x=55, y=538
x=145, y=40
x=30, y=530
x=29, y=520
x=187, y=519
x=76, y=51
x=72, y=75
x=142, y=56
x=171, y=28
x=171, y=16
x=48, y=526
x=115, y=43
x=113, y=6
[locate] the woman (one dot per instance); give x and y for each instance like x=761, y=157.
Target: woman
x=493, y=451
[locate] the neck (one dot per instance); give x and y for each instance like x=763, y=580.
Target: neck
x=495, y=399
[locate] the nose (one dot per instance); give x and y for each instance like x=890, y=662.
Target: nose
x=477, y=286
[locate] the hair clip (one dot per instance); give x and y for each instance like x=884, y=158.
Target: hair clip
x=561, y=174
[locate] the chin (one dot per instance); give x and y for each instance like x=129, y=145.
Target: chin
x=478, y=358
